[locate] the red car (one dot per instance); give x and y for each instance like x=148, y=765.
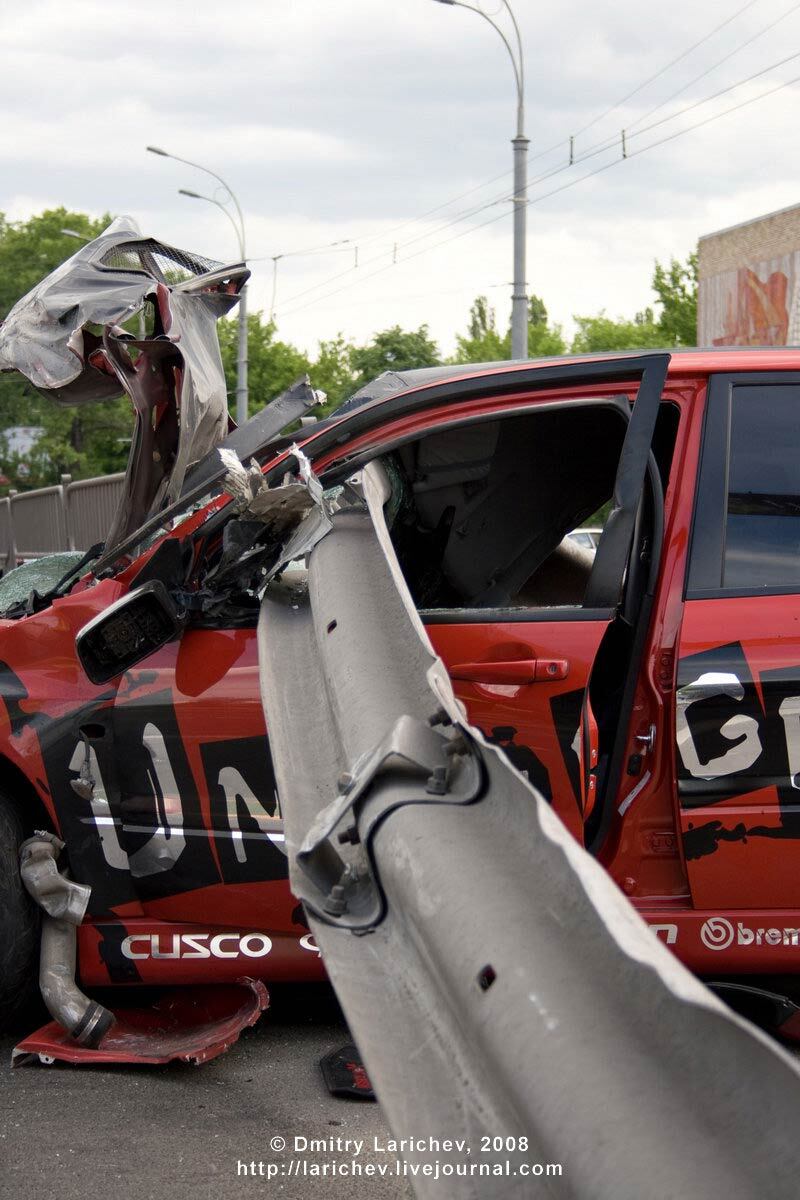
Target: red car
x=650, y=691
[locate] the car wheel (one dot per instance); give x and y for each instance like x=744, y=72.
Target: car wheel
x=19, y=925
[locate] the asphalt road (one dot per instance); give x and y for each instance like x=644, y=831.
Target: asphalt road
x=180, y=1132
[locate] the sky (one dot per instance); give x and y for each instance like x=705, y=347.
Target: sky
x=384, y=125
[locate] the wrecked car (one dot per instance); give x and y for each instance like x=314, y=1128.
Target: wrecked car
x=645, y=690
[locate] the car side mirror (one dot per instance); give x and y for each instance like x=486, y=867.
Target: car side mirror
x=128, y=631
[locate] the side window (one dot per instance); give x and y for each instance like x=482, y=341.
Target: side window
x=746, y=536
x=762, y=526
x=480, y=513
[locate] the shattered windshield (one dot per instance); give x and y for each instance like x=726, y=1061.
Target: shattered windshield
x=41, y=575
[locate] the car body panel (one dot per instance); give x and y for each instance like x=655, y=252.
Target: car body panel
x=183, y=733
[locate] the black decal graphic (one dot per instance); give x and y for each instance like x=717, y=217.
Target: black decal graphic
x=163, y=831
x=702, y=840
x=59, y=739
x=522, y=757
x=13, y=692
x=724, y=725
x=241, y=789
x=720, y=723
x=120, y=969
x=566, y=710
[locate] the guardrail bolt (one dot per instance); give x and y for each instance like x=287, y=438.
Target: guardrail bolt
x=440, y=717
x=336, y=902
x=437, y=782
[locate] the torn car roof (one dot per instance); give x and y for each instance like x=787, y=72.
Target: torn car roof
x=66, y=337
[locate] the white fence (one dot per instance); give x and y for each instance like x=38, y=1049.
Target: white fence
x=68, y=516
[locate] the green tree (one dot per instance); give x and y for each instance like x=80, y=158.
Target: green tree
x=483, y=342
x=271, y=364
x=332, y=371
x=676, y=289
x=86, y=440
x=544, y=340
x=598, y=333
x=394, y=349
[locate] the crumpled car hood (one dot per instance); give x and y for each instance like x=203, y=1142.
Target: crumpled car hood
x=65, y=337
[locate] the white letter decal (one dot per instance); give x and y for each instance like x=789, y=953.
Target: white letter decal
x=739, y=757
x=164, y=848
x=113, y=853
x=789, y=713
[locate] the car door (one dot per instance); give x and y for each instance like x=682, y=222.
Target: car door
x=523, y=672
x=738, y=697
x=200, y=820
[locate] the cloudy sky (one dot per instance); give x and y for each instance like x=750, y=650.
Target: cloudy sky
x=387, y=123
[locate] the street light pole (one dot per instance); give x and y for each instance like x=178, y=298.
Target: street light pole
x=519, y=294
x=238, y=225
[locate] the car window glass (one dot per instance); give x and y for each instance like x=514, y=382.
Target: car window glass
x=480, y=514
x=762, y=523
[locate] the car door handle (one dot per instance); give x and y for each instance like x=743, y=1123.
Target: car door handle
x=520, y=670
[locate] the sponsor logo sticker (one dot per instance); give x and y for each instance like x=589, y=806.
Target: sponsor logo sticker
x=196, y=945
x=718, y=933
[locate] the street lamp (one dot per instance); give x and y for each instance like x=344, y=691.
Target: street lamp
x=519, y=295
x=238, y=225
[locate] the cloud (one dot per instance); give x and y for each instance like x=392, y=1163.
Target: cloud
x=351, y=118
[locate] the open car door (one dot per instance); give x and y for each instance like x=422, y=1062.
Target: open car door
x=539, y=637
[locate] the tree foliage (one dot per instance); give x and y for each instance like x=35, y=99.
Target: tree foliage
x=394, y=349
x=601, y=332
x=484, y=343
x=87, y=440
x=675, y=289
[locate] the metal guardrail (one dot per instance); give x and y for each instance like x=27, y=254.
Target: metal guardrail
x=514, y=1012
x=66, y=516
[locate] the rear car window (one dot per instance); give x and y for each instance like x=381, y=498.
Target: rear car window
x=762, y=526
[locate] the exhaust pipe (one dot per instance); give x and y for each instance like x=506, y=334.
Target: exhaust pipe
x=64, y=903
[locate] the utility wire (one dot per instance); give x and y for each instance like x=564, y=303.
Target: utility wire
x=569, y=141
x=668, y=66
x=463, y=216
x=564, y=187
x=607, y=143
x=600, y=148
x=736, y=50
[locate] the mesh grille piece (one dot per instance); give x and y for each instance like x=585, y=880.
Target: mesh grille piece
x=162, y=262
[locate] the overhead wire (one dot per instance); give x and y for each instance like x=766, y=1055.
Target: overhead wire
x=564, y=187
x=667, y=66
x=504, y=197
x=720, y=62
x=382, y=234
x=630, y=127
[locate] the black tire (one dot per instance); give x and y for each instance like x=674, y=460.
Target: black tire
x=19, y=927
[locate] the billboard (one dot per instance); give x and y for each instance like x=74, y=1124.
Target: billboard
x=749, y=283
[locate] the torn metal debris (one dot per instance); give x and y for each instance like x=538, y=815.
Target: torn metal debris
x=191, y=1025
x=66, y=337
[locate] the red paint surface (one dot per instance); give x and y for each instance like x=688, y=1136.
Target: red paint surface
x=191, y=1025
